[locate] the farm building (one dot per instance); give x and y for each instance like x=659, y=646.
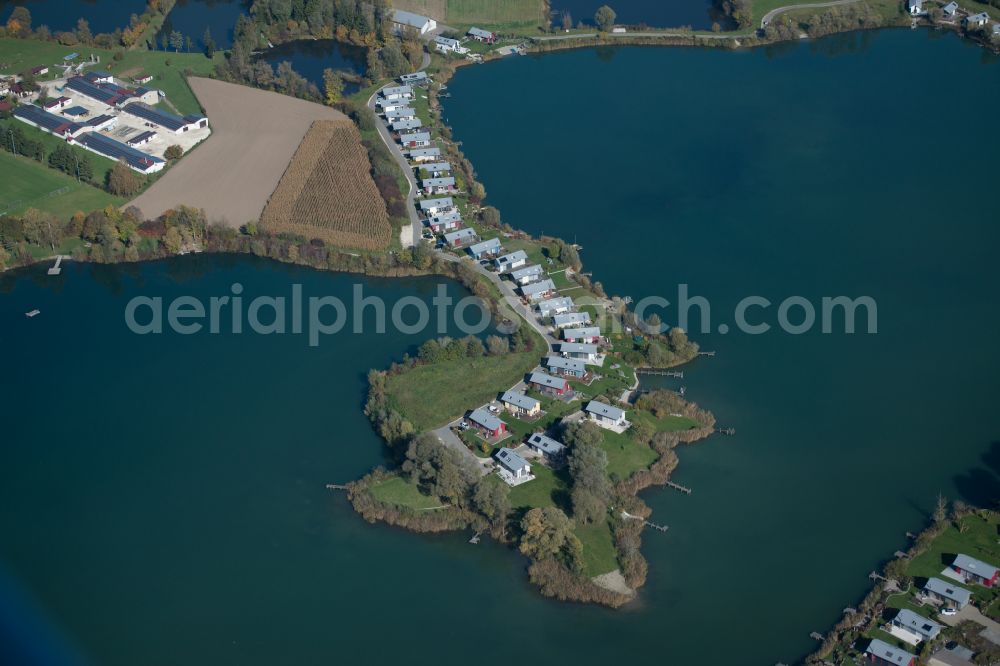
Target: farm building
x=99, y=89
x=141, y=138
x=403, y=20
x=142, y=79
x=41, y=70
x=167, y=121
x=437, y=185
x=919, y=625
x=416, y=78
x=424, y=154
x=527, y=275
x=514, y=469
x=57, y=104
x=547, y=446
x=586, y=334
x=539, y=290
x=19, y=91
x=518, y=403
x=436, y=168
x=554, y=306
x=5, y=84
x=975, y=571
x=949, y=594
x=76, y=111
x=402, y=125
x=48, y=122
x=488, y=424
x=977, y=20
x=397, y=92
x=487, y=247
x=511, y=261
x=445, y=221
x=566, y=367
x=480, y=35
x=570, y=319
x=99, y=77
x=431, y=206
x=461, y=238
x=147, y=95
x=605, y=415
x=579, y=350
x=115, y=150
x=101, y=122
x=414, y=139
x=548, y=384
x=880, y=652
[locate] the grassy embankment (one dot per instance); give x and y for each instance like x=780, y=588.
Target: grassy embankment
x=25, y=183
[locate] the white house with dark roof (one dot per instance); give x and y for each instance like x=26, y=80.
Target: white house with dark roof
x=554, y=306
x=605, y=415
x=521, y=404
x=424, y=154
x=509, y=262
x=578, y=350
x=433, y=206
x=486, y=247
x=448, y=45
x=414, y=139
x=461, y=238
x=416, y=78
x=571, y=319
x=916, y=7
x=977, y=20
x=975, y=571
x=950, y=594
x=538, y=290
x=585, y=334
x=566, y=367
x=950, y=9
x=388, y=105
x=922, y=628
x=513, y=469
x=880, y=652
x=436, y=168
x=397, y=92
x=547, y=446
x=400, y=113
x=527, y=275
x=403, y=125
x=404, y=20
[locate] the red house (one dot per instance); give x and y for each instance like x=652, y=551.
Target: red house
x=488, y=424
x=975, y=571
x=548, y=384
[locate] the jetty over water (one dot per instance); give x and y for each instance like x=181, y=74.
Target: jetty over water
x=679, y=487
x=56, y=268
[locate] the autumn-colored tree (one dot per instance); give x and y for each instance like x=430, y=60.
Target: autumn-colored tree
x=333, y=87
x=123, y=181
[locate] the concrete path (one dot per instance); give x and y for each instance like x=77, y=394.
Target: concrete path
x=452, y=441
x=768, y=17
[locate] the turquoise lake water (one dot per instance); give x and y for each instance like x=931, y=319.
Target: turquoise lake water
x=162, y=500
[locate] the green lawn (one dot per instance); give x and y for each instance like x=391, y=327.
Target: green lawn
x=667, y=423
x=506, y=15
x=17, y=55
x=397, y=490
x=25, y=183
x=549, y=488
x=599, y=555
x=429, y=395
x=102, y=165
x=625, y=455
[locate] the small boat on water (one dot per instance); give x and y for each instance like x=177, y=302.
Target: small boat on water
x=33, y=313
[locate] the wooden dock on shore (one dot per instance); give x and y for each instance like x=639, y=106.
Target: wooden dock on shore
x=336, y=486
x=708, y=353
x=677, y=486
x=646, y=523
x=726, y=431
x=56, y=268
x=662, y=372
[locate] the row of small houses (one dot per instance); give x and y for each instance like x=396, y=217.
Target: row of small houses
x=917, y=628
x=950, y=12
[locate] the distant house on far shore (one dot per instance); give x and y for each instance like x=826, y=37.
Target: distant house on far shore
x=950, y=9
x=915, y=6
x=977, y=20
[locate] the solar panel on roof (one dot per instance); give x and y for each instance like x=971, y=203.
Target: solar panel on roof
x=162, y=118
x=117, y=150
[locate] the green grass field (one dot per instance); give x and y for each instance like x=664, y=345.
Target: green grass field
x=549, y=488
x=397, y=490
x=102, y=165
x=979, y=541
x=625, y=455
x=24, y=183
x=17, y=55
x=509, y=14
x=435, y=394
x=599, y=554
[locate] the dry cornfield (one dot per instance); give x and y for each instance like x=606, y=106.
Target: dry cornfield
x=327, y=191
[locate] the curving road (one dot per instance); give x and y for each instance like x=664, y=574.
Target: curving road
x=768, y=17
